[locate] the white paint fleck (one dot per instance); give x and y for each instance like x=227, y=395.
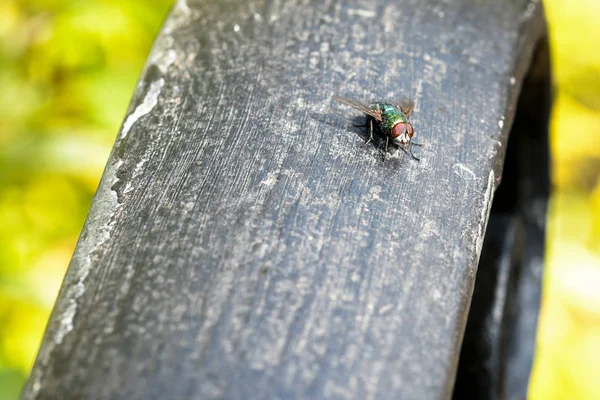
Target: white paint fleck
x=501, y=124
x=236, y=28
x=183, y=5
x=482, y=121
x=388, y=19
x=513, y=80
x=179, y=16
x=374, y=193
x=362, y=13
x=66, y=318
x=429, y=229
x=139, y=166
x=426, y=57
x=385, y=309
x=147, y=105
x=441, y=14
x=314, y=59
x=257, y=17
x=65, y=322
x=463, y=171
x=163, y=54
x=36, y=388
x=270, y=181
x=529, y=11
x=163, y=60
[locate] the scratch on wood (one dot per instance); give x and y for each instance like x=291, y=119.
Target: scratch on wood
x=362, y=13
x=463, y=171
x=385, y=309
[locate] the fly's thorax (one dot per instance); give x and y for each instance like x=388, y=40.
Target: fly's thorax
x=391, y=116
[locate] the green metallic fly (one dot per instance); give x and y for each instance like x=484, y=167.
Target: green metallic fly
x=391, y=119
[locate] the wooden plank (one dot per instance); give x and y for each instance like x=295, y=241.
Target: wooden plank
x=242, y=243
x=499, y=341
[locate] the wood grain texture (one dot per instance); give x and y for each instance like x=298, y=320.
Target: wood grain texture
x=243, y=245
x=499, y=340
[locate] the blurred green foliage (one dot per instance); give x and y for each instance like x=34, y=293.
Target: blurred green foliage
x=567, y=364
x=67, y=71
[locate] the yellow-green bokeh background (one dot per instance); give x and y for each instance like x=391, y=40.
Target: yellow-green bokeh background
x=67, y=71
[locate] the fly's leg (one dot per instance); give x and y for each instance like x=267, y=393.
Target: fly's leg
x=410, y=149
x=387, y=140
x=409, y=152
x=413, y=156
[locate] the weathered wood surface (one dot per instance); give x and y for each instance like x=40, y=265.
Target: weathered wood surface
x=243, y=245
x=497, y=351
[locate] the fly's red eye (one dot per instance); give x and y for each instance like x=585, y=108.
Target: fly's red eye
x=411, y=131
x=399, y=129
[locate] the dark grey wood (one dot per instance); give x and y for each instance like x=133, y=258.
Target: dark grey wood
x=243, y=245
x=499, y=341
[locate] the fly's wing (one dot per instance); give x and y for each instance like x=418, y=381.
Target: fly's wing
x=359, y=106
x=406, y=105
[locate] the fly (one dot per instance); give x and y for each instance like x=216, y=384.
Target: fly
x=391, y=119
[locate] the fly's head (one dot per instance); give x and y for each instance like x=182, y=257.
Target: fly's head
x=402, y=134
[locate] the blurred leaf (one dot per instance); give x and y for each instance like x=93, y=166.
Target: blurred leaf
x=11, y=382
x=567, y=364
x=584, y=86
x=9, y=17
x=17, y=99
x=24, y=324
x=574, y=34
x=574, y=140
x=107, y=94
x=78, y=155
x=571, y=305
x=67, y=72
x=594, y=241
